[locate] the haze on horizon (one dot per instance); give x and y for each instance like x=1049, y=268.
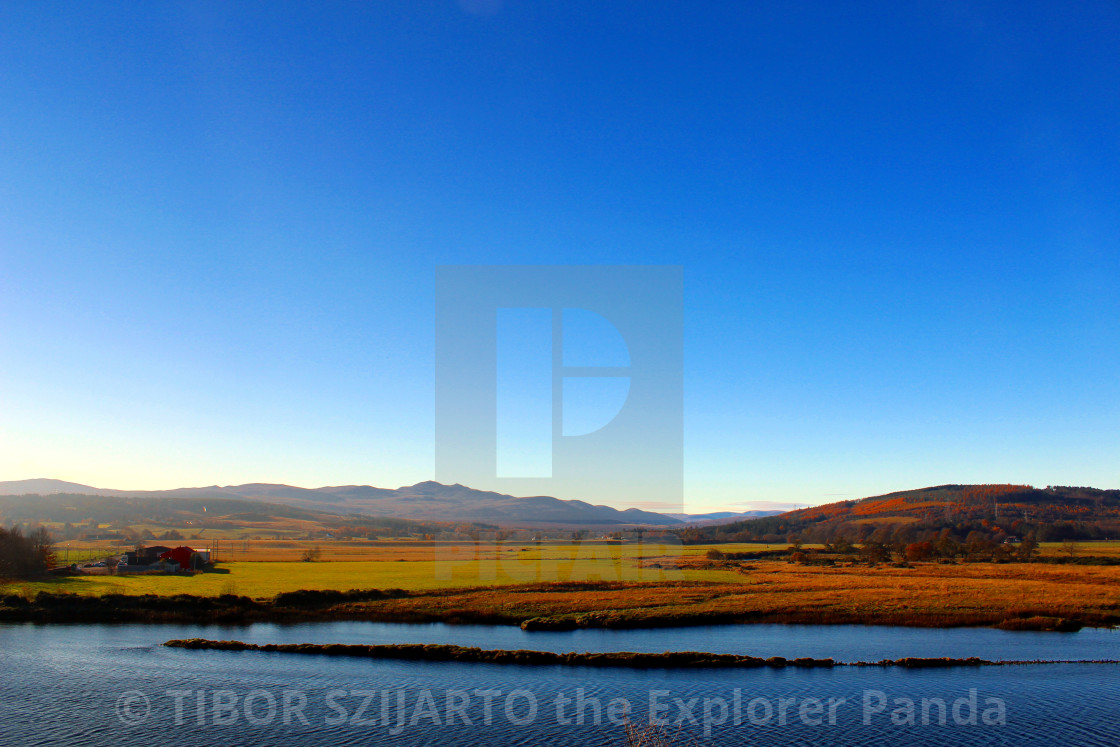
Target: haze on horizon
x=897, y=224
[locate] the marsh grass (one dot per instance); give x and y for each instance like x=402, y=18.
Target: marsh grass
x=1029, y=597
x=615, y=587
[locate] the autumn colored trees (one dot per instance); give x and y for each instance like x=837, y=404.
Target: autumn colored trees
x=981, y=519
x=918, y=551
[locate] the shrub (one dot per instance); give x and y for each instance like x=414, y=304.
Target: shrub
x=919, y=551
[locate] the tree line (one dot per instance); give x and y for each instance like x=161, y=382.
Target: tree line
x=25, y=555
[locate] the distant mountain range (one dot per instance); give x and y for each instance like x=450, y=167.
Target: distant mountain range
x=429, y=500
x=721, y=517
x=1055, y=512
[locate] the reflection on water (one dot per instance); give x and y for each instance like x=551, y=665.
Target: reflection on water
x=103, y=684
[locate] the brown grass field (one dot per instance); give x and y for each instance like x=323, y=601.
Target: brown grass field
x=775, y=591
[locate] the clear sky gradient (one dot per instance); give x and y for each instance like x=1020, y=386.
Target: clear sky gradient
x=899, y=225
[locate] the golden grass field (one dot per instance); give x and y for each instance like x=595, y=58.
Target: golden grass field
x=655, y=583
x=274, y=568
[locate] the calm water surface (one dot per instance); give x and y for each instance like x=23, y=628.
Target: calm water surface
x=114, y=684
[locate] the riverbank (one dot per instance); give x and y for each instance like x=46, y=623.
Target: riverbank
x=616, y=605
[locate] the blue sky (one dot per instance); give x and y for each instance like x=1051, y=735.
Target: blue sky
x=898, y=225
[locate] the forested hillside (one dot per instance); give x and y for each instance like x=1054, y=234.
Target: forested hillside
x=996, y=512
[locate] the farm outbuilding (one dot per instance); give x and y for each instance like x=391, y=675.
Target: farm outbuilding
x=184, y=556
x=146, y=555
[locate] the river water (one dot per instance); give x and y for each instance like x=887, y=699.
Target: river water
x=115, y=684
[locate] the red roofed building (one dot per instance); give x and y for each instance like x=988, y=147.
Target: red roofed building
x=182, y=555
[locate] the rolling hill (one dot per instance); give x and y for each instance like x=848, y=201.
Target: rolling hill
x=428, y=501
x=998, y=511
